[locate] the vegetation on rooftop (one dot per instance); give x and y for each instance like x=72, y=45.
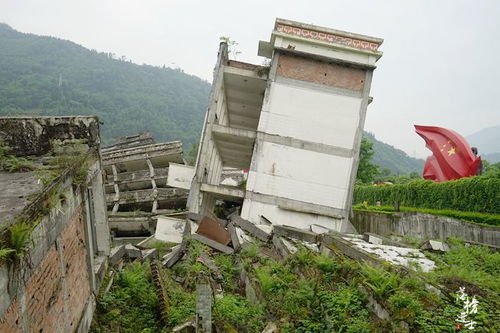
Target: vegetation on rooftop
x=11, y=163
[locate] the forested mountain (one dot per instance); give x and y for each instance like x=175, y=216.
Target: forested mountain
x=49, y=76
x=386, y=156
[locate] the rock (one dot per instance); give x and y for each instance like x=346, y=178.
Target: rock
x=270, y=328
x=296, y=233
x=435, y=246
x=373, y=238
x=213, y=244
x=150, y=254
x=251, y=228
x=116, y=254
x=132, y=251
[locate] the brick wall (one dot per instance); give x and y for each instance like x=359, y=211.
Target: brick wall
x=58, y=289
x=320, y=72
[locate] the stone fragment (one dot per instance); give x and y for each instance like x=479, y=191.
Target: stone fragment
x=270, y=328
x=213, y=244
x=251, y=228
x=132, y=251
x=204, y=301
x=169, y=229
x=372, y=238
x=116, y=254
x=319, y=229
x=296, y=233
x=205, y=260
x=234, y=237
x=435, y=246
x=150, y=254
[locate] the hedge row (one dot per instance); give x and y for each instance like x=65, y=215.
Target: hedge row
x=474, y=194
x=473, y=217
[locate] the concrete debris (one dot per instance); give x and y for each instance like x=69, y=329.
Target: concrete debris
x=372, y=238
x=296, y=233
x=169, y=229
x=213, y=244
x=150, y=254
x=395, y=255
x=270, y=328
x=214, y=231
x=133, y=252
x=435, y=246
x=205, y=260
x=311, y=246
x=204, y=301
x=319, y=229
x=379, y=310
x=198, y=217
x=116, y=254
x=234, y=237
x=187, y=326
x=283, y=246
x=146, y=243
x=251, y=228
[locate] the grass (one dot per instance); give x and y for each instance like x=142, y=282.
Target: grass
x=11, y=163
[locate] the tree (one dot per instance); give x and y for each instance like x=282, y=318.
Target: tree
x=231, y=46
x=366, y=170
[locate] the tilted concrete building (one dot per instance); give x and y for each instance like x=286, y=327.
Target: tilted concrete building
x=296, y=126
x=54, y=236
x=140, y=183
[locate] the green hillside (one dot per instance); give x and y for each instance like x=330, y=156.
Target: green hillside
x=387, y=156
x=49, y=76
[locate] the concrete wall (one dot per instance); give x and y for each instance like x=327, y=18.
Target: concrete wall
x=424, y=226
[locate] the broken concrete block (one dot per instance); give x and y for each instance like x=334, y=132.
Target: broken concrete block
x=319, y=229
x=296, y=233
x=171, y=258
x=150, y=254
x=147, y=243
x=169, y=229
x=270, y=328
x=251, y=228
x=204, y=301
x=205, y=260
x=234, y=237
x=373, y=238
x=116, y=254
x=132, y=251
x=187, y=326
x=213, y=244
x=283, y=246
x=214, y=231
x=435, y=246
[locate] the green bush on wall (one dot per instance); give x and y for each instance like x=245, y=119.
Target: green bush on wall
x=474, y=194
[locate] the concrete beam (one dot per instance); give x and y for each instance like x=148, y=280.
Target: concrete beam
x=223, y=192
x=250, y=228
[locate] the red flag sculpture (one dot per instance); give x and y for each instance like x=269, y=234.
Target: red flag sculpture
x=452, y=156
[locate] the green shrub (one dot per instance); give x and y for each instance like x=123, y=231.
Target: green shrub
x=240, y=313
x=473, y=194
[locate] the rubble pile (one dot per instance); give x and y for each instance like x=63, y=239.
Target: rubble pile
x=234, y=265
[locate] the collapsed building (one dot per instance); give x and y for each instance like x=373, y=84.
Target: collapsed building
x=54, y=236
x=143, y=179
x=296, y=125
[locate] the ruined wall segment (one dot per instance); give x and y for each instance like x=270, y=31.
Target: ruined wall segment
x=49, y=285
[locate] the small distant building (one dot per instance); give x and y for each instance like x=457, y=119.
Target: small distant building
x=140, y=183
x=296, y=125
x=54, y=235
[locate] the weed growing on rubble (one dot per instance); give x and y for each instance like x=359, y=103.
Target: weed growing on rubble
x=131, y=305
x=239, y=313
x=11, y=163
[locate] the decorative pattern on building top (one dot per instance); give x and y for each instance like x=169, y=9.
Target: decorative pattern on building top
x=326, y=37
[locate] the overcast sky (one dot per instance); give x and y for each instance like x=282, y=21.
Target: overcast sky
x=440, y=64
